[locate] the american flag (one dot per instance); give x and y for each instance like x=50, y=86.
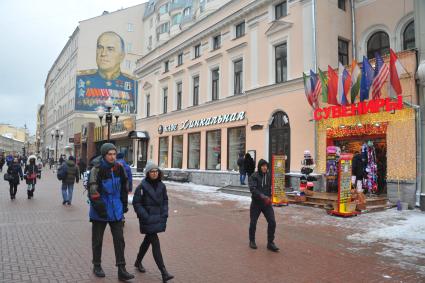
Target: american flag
x=316, y=92
x=381, y=74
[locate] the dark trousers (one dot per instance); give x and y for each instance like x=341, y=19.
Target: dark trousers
x=151, y=239
x=254, y=213
x=13, y=189
x=98, y=229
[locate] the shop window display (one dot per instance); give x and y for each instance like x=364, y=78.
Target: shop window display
x=194, y=151
x=214, y=150
x=236, y=145
x=177, y=152
x=163, y=152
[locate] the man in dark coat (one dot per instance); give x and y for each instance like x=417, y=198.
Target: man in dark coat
x=260, y=187
x=108, y=194
x=242, y=172
x=249, y=165
x=150, y=203
x=83, y=167
x=15, y=171
x=72, y=176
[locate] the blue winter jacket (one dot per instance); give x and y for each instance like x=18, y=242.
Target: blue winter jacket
x=111, y=182
x=128, y=172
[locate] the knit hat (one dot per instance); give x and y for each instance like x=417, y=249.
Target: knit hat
x=106, y=147
x=150, y=166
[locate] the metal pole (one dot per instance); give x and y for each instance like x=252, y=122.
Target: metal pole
x=109, y=131
x=353, y=27
x=56, y=151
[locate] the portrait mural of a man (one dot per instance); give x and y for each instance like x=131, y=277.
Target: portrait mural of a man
x=95, y=86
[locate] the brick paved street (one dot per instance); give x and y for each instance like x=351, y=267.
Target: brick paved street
x=42, y=241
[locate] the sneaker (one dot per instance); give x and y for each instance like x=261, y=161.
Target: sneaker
x=252, y=245
x=64, y=203
x=272, y=247
x=69, y=203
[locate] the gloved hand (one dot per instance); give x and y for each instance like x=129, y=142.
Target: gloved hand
x=95, y=196
x=267, y=201
x=100, y=208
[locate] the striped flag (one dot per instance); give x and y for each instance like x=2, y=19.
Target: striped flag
x=316, y=85
x=366, y=80
x=324, y=84
x=396, y=70
x=341, y=96
x=356, y=75
x=381, y=75
x=332, y=86
x=346, y=78
x=307, y=89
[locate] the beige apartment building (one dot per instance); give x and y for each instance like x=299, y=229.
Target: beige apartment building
x=17, y=133
x=232, y=82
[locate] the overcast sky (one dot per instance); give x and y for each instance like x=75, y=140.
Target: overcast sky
x=33, y=34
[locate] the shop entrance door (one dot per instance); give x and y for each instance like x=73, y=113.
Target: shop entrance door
x=280, y=137
x=142, y=154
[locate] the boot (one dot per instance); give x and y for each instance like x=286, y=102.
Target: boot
x=165, y=275
x=252, y=245
x=139, y=266
x=272, y=247
x=98, y=271
x=123, y=275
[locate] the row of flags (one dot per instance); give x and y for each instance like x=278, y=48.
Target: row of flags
x=345, y=86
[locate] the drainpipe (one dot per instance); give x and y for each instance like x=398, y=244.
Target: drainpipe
x=353, y=31
x=314, y=22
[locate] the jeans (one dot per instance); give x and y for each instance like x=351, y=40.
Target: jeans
x=67, y=190
x=151, y=239
x=98, y=229
x=254, y=213
x=30, y=190
x=242, y=178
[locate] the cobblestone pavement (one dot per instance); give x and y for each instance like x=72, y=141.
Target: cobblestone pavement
x=43, y=241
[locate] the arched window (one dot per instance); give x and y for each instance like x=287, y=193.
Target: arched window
x=409, y=36
x=378, y=42
x=280, y=137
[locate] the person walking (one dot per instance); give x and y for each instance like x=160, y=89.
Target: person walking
x=150, y=203
x=260, y=187
x=15, y=171
x=2, y=161
x=72, y=176
x=120, y=159
x=108, y=194
x=242, y=172
x=31, y=173
x=249, y=165
x=83, y=167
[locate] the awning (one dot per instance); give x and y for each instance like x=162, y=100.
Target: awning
x=143, y=135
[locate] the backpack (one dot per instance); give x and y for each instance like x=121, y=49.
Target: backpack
x=62, y=172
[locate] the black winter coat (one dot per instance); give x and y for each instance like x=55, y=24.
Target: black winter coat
x=150, y=203
x=249, y=164
x=357, y=168
x=16, y=171
x=72, y=173
x=31, y=170
x=241, y=164
x=260, y=185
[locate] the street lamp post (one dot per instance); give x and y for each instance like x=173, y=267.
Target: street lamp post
x=109, y=113
x=57, y=136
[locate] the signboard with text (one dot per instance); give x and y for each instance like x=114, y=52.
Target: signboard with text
x=278, y=180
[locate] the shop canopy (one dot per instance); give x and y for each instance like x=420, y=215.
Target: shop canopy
x=143, y=135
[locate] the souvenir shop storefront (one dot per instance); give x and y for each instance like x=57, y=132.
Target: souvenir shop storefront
x=381, y=136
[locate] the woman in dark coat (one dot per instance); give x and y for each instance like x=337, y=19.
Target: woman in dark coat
x=249, y=165
x=15, y=170
x=31, y=173
x=150, y=203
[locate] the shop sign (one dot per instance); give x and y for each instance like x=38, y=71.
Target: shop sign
x=215, y=120
x=278, y=180
x=122, y=127
x=360, y=108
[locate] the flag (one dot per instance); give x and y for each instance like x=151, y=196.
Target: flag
x=332, y=86
x=396, y=70
x=381, y=75
x=346, y=79
x=366, y=80
x=341, y=96
x=355, y=80
x=324, y=83
x=316, y=86
x=307, y=88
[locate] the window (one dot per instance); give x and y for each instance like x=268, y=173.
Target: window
x=164, y=28
x=280, y=63
x=194, y=150
x=179, y=96
x=215, y=79
x=343, y=51
x=235, y=146
x=409, y=36
x=281, y=10
x=180, y=59
x=166, y=66
x=130, y=27
x=163, y=9
x=176, y=20
x=238, y=76
x=129, y=46
x=378, y=42
x=148, y=105
x=197, y=51
x=240, y=30
x=341, y=4
x=177, y=152
x=214, y=150
x=164, y=99
x=163, y=152
x=186, y=12
x=216, y=42
x=195, y=90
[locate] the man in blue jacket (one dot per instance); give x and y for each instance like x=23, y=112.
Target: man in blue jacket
x=120, y=159
x=108, y=193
